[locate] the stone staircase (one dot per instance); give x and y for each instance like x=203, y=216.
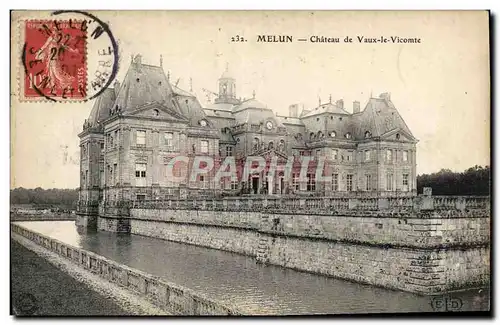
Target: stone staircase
x=264, y=245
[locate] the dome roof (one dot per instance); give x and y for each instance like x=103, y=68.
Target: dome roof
x=250, y=103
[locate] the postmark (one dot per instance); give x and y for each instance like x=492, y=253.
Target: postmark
x=25, y=304
x=68, y=56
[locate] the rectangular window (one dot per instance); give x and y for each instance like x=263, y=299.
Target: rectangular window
x=388, y=155
x=405, y=182
x=367, y=155
x=116, y=138
x=295, y=181
x=203, y=181
x=204, y=146
x=301, y=152
x=229, y=151
x=111, y=142
x=335, y=182
x=349, y=155
x=311, y=182
x=141, y=138
x=368, y=182
x=140, y=170
x=405, y=155
x=318, y=153
x=234, y=184
x=115, y=173
x=102, y=147
x=141, y=197
x=169, y=140
x=389, y=182
x=101, y=176
x=335, y=154
x=86, y=178
x=349, y=182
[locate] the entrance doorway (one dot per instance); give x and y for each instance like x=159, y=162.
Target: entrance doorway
x=255, y=185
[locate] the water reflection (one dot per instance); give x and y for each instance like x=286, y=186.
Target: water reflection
x=240, y=280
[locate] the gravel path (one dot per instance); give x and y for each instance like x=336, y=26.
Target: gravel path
x=44, y=283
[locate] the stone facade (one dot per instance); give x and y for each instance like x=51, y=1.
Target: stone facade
x=138, y=126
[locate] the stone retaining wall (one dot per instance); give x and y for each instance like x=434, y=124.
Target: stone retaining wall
x=403, y=230
x=168, y=296
x=404, y=252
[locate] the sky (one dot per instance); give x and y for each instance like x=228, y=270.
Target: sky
x=440, y=86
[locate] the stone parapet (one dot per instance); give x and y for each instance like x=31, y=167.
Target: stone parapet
x=172, y=298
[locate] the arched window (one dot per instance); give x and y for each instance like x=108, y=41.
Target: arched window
x=320, y=135
x=348, y=135
x=398, y=136
x=368, y=134
x=156, y=112
x=271, y=145
x=311, y=136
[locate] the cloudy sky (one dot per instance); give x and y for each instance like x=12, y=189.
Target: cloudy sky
x=440, y=86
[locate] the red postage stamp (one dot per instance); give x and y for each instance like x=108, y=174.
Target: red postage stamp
x=55, y=59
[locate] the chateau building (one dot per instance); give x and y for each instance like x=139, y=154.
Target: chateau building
x=139, y=125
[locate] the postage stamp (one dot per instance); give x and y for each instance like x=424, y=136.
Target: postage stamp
x=55, y=59
x=64, y=56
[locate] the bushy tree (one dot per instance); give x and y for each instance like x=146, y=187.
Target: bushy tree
x=473, y=181
x=40, y=197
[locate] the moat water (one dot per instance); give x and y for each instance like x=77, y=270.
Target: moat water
x=237, y=279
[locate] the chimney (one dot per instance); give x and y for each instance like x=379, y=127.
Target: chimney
x=355, y=107
x=386, y=96
x=293, y=110
x=116, y=87
x=340, y=103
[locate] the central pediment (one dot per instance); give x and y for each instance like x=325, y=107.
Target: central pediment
x=269, y=153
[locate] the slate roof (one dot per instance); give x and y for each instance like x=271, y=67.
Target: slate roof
x=379, y=117
x=290, y=120
x=143, y=84
x=249, y=103
x=101, y=108
x=325, y=108
x=221, y=106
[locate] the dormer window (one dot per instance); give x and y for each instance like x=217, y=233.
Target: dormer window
x=348, y=135
x=203, y=123
x=333, y=134
x=156, y=112
x=311, y=136
x=398, y=136
x=368, y=134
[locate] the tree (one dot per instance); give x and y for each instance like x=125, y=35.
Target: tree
x=473, y=181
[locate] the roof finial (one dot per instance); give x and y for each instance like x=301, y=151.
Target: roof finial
x=227, y=66
x=253, y=93
x=131, y=58
x=168, y=75
x=161, y=60
x=330, y=98
x=319, y=101
x=191, y=84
